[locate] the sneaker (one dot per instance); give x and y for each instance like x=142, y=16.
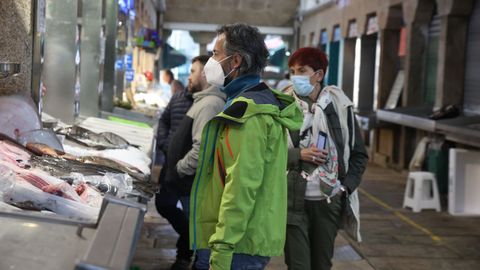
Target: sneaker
x=181, y=264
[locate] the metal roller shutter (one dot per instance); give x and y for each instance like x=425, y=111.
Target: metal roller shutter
x=472, y=73
x=432, y=60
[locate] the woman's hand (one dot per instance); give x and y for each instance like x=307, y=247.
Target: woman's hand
x=313, y=155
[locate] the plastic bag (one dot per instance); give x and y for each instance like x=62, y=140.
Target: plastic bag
x=25, y=192
x=110, y=183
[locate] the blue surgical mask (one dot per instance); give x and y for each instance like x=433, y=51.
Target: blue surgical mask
x=302, y=85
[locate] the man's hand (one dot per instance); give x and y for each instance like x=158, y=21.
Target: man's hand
x=179, y=173
x=313, y=155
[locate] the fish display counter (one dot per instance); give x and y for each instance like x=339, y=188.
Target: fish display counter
x=71, y=197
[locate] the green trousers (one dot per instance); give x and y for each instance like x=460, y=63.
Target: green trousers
x=310, y=245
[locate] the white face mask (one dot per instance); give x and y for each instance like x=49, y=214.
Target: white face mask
x=214, y=72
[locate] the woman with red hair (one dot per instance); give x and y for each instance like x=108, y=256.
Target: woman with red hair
x=326, y=160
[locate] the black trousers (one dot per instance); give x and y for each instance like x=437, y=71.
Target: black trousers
x=166, y=202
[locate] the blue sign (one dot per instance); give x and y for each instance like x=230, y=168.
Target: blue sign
x=126, y=5
x=128, y=61
x=119, y=64
x=129, y=75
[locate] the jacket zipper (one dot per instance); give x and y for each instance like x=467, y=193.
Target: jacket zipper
x=196, y=192
x=198, y=182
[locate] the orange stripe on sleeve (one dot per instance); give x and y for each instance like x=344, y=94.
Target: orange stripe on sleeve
x=228, y=142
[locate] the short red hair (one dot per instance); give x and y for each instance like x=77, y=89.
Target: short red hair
x=308, y=56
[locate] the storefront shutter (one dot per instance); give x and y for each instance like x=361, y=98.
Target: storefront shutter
x=472, y=72
x=432, y=61
x=333, y=57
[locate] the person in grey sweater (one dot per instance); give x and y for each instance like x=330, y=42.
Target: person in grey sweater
x=182, y=154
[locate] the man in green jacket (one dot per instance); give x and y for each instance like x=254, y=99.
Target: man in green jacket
x=239, y=196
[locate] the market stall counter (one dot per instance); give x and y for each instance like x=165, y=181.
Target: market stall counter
x=33, y=240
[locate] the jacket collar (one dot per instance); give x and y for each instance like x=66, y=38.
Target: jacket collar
x=239, y=85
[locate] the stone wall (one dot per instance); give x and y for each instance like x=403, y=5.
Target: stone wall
x=16, y=43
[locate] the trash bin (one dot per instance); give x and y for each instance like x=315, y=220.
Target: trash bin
x=437, y=163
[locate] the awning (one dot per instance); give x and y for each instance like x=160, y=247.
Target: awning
x=171, y=58
x=278, y=58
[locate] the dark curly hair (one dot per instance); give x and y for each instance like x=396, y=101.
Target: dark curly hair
x=308, y=56
x=247, y=41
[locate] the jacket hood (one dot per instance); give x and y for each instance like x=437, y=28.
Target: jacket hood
x=282, y=107
x=210, y=91
x=338, y=96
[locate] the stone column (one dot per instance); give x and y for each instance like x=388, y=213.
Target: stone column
x=417, y=15
x=16, y=37
x=111, y=7
x=367, y=73
x=390, y=23
x=348, y=58
x=348, y=66
x=90, y=57
x=203, y=39
x=164, y=35
x=60, y=54
x=454, y=17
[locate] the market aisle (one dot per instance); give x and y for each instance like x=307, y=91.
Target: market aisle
x=156, y=249
x=393, y=238
x=398, y=239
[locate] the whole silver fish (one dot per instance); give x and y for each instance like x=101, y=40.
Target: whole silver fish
x=100, y=141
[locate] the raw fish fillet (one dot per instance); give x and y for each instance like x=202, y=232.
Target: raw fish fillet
x=12, y=153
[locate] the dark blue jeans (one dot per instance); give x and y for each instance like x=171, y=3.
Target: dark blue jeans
x=239, y=261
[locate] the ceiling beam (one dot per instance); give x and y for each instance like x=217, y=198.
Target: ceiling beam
x=210, y=27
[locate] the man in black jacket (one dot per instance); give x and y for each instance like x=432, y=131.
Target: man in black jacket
x=166, y=199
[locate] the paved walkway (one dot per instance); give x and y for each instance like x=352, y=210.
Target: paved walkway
x=393, y=238
x=396, y=238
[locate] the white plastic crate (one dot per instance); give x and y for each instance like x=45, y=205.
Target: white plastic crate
x=464, y=182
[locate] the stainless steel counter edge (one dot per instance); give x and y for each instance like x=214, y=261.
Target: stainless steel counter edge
x=406, y=120
x=116, y=235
